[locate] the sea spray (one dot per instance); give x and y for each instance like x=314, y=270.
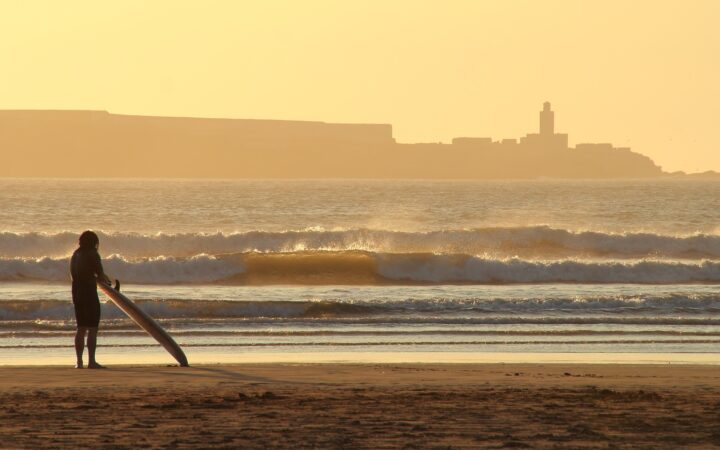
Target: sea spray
x=358, y=267
x=532, y=241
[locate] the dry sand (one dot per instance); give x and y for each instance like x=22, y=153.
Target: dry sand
x=362, y=406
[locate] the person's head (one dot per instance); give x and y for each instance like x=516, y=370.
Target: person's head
x=89, y=240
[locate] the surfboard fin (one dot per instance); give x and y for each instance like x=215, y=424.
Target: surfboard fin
x=117, y=285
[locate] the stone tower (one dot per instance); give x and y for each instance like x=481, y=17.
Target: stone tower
x=547, y=120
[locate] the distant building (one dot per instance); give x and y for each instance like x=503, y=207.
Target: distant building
x=547, y=120
x=596, y=147
x=547, y=139
x=477, y=141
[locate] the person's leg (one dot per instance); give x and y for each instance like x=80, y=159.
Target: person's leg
x=79, y=346
x=92, y=345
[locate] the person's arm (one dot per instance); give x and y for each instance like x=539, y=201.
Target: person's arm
x=99, y=272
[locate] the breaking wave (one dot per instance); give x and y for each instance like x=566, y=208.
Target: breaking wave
x=160, y=270
x=367, y=268
x=534, y=241
x=625, y=309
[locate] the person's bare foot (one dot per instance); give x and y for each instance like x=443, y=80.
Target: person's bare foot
x=94, y=365
x=79, y=365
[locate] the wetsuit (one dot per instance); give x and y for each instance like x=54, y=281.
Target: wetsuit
x=84, y=266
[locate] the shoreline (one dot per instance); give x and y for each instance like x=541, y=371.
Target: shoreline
x=118, y=376
x=157, y=356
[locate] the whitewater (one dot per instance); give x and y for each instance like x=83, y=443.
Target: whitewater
x=236, y=267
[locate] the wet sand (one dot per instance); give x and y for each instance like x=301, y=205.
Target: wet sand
x=362, y=406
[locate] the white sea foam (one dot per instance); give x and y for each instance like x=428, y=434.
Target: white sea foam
x=369, y=268
x=639, y=309
x=454, y=268
x=159, y=270
x=536, y=241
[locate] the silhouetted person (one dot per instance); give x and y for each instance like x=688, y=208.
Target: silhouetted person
x=86, y=269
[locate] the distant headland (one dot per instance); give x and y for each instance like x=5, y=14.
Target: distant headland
x=47, y=143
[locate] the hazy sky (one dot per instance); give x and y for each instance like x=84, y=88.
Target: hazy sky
x=638, y=73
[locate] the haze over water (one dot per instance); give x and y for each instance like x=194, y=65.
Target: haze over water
x=234, y=267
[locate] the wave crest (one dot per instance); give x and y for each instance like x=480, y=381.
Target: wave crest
x=368, y=268
x=492, y=310
x=536, y=242
x=159, y=270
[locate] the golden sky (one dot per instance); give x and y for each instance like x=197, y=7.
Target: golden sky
x=637, y=73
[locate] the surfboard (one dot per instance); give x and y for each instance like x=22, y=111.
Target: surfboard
x=145, y=322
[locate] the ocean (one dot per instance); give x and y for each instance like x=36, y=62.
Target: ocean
x=358, y=270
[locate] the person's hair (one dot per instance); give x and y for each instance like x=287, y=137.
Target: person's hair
x=88, y=240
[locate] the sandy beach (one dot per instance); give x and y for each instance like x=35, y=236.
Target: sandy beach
x=362, y=406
